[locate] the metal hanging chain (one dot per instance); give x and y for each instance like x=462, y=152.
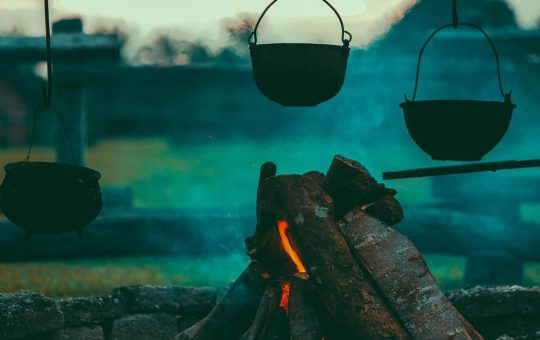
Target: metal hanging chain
x=455, y=18
x=455, y=24
x=47, y=93
x=48, y=96
x=346, y=36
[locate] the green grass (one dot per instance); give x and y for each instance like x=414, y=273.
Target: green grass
x=59, y=279
x=85, y=277
x=449, y=271
x=223, y=174
x=215, y=174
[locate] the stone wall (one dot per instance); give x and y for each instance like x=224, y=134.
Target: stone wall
x=159, y=312
x=508, y=312
x=128, y=313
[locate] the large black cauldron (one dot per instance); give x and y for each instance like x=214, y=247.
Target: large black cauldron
x=462, y=130
x=458, y=130
x=50, y=198
x=299, y=74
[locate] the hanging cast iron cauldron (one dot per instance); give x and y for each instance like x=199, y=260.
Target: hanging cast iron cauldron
x=458, y=130
x=299, y=74
x=50, y=198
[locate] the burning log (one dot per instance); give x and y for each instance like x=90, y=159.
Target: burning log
x=387, y=209
x=303, y=320
x=301, y=203
x=401, y=275
x=267, y=308
x=356, y=278
x=234, y=312
x=265, y=245
x=351, y=185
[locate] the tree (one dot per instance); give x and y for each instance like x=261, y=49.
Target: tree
x=239, y=31
x=166, y=50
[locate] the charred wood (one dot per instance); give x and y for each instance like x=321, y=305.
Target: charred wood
x=279, y=326
x=387, y=209
x=302, y=315
x=350, y=185
x=338, y=280
x=402, y=276
x=330, y=329
x=234, y=313
x=265, y=313
x=265, y=245
x=317, y=176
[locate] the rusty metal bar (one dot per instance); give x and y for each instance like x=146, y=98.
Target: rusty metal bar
x=461, y=169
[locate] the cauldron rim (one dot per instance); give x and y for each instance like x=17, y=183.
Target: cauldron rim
x=299, y=45
x=83, y=173
x=411, y=104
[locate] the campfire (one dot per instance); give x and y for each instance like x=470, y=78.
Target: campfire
x=327, y=264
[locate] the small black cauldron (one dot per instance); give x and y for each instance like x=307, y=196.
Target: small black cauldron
x=299, y=74
x=458, y=130
x=50, y=198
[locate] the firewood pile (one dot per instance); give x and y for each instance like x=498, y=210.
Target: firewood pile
x=327, y=264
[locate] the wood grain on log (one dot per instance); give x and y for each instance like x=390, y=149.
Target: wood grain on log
x=267, y=308
x=338, y=280
x=234, y=313
x=302, y=315
x=402, y=276
x=350, y=185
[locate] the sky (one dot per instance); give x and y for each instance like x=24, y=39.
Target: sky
x=204, y=19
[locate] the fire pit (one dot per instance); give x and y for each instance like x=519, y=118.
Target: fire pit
x=326, y=263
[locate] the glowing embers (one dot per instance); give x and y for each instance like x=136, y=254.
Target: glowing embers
x=286, y=291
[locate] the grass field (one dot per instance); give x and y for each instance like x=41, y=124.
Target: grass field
x=99, y=276
x=218, y=174
x=214, y=174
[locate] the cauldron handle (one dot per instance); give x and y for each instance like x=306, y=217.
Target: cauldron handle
x=346, y=36
x=47, y=93
x=507, y=97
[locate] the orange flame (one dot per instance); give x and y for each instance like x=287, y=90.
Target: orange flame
x=284, y=303
x=282, y=227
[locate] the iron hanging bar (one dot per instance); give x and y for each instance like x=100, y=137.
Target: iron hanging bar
x=461, y=169
x=346, y=36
